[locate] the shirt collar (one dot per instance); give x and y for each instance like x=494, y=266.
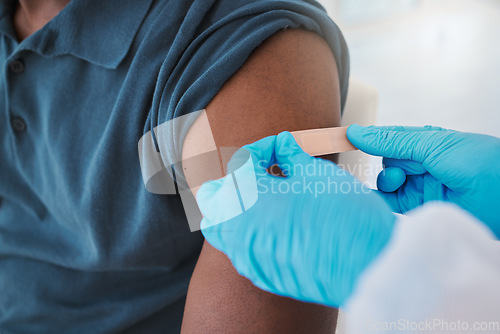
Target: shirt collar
x=98, y=31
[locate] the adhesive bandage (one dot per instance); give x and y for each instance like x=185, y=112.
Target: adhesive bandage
x=323, y=141
x=206, y=161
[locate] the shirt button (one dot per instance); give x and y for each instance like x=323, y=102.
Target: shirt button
x=17, y=66
x=18, y=124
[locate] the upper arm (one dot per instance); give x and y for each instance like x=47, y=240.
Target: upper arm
x=289, y=83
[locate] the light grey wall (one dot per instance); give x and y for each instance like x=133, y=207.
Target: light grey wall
x=432, y=61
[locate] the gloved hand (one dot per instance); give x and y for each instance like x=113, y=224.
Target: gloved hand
x=308, y=235
x=430, y=163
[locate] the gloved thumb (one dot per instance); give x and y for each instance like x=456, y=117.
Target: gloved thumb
x=289, y=155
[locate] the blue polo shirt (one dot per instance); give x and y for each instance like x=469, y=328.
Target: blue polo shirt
x=84, y=247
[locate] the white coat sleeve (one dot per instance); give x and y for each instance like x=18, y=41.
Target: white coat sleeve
x=440, y=273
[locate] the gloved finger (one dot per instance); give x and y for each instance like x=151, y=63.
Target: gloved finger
x=391, y=198
x=417, y=190
x=409, y=166
x=208, y=194
x=407, y=145
x=407, y=197
x=218, y=201
x=409, y=128
x=411, y=194
x=212, y=234
x=433, y=189
x=261, y=152
x=223, y=237
x=289, y=155
x=390, y=179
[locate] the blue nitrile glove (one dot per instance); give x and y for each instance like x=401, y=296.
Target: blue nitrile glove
x=308, y=235
x=425, y=164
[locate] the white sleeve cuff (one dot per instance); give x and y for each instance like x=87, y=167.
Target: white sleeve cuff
x=439, y=271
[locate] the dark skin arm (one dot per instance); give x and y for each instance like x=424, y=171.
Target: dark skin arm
x=289, y=83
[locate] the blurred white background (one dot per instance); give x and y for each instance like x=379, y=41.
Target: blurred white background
x=432, y=61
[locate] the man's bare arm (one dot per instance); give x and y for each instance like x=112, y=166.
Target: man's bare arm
x=289, y=83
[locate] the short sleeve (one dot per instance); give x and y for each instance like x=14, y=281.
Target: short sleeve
x=212, y=43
